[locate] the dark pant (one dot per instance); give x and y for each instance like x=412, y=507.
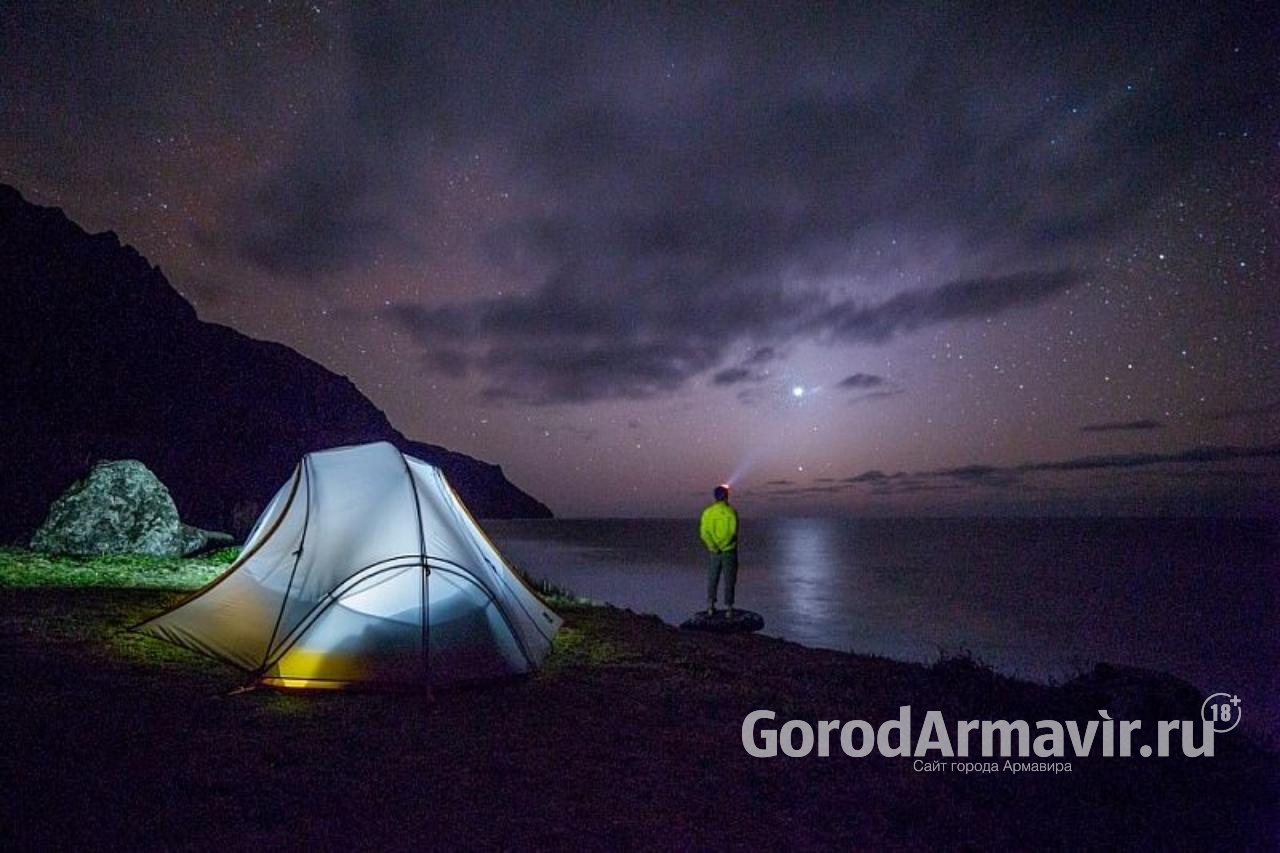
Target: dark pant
x=727, y=562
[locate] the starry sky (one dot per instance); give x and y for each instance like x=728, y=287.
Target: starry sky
x=872, y=258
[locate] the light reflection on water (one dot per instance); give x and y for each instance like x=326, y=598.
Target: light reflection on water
x=805, y=566
x=1038, y=597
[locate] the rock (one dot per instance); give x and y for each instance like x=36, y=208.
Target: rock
x=743, y=622
x=1130, y=693
x=119, y=508
x=195, y=540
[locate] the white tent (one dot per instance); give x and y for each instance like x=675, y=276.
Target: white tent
x=365, y=568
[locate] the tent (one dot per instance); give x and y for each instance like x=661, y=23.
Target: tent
x=365, y=569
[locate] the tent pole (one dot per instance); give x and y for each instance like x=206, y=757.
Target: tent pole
x=426, y=573
x=297, y=558
x=426, y=623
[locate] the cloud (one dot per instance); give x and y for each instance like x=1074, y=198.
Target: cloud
x=448, y=361
x=563, y=344
x=872, y=476
x=1123, y=426
x=1002, y=477
x=912, y=486
x=333, y=207
x=309, y=220
x=989, y=475
x=804, y=491
x=1195, y=455
x=748, y=370
x=968, y=472
x=976, y=475
x=883, y=394
x=538, y=375
x=763, y=355
x=861, y=380
x=732, y=375
x=682, y=182
x=687, y=196
x=859, y=383
x=956, y=300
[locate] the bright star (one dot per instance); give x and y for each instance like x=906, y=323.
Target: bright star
x=797, y=391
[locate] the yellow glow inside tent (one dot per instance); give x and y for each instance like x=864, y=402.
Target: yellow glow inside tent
x=303, y=667
x=303, y=683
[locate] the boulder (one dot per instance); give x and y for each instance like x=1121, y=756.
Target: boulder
x=196, y=540
x=1131, y=693
x=742, y=622
x=119, y=508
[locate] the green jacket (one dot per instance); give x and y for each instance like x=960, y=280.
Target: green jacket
x=719, y=527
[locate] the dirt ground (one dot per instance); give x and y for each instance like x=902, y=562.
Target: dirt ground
x=630, y=737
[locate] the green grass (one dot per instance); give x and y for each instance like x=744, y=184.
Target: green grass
x=553, y=593
x=22, y=568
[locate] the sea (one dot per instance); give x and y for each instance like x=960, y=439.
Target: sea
x=1042, y=599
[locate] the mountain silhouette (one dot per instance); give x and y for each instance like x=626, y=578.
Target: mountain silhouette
x=103, y=359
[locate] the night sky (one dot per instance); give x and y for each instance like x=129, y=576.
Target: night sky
x=932, y=258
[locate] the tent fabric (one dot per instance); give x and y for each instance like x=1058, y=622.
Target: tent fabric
x=365, y=568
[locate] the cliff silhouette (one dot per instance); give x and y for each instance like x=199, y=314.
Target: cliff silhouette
x=103, y=359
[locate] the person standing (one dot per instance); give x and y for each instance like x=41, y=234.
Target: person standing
x=719, y=531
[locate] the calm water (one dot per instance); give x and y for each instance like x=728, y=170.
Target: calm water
x=1037, y=597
